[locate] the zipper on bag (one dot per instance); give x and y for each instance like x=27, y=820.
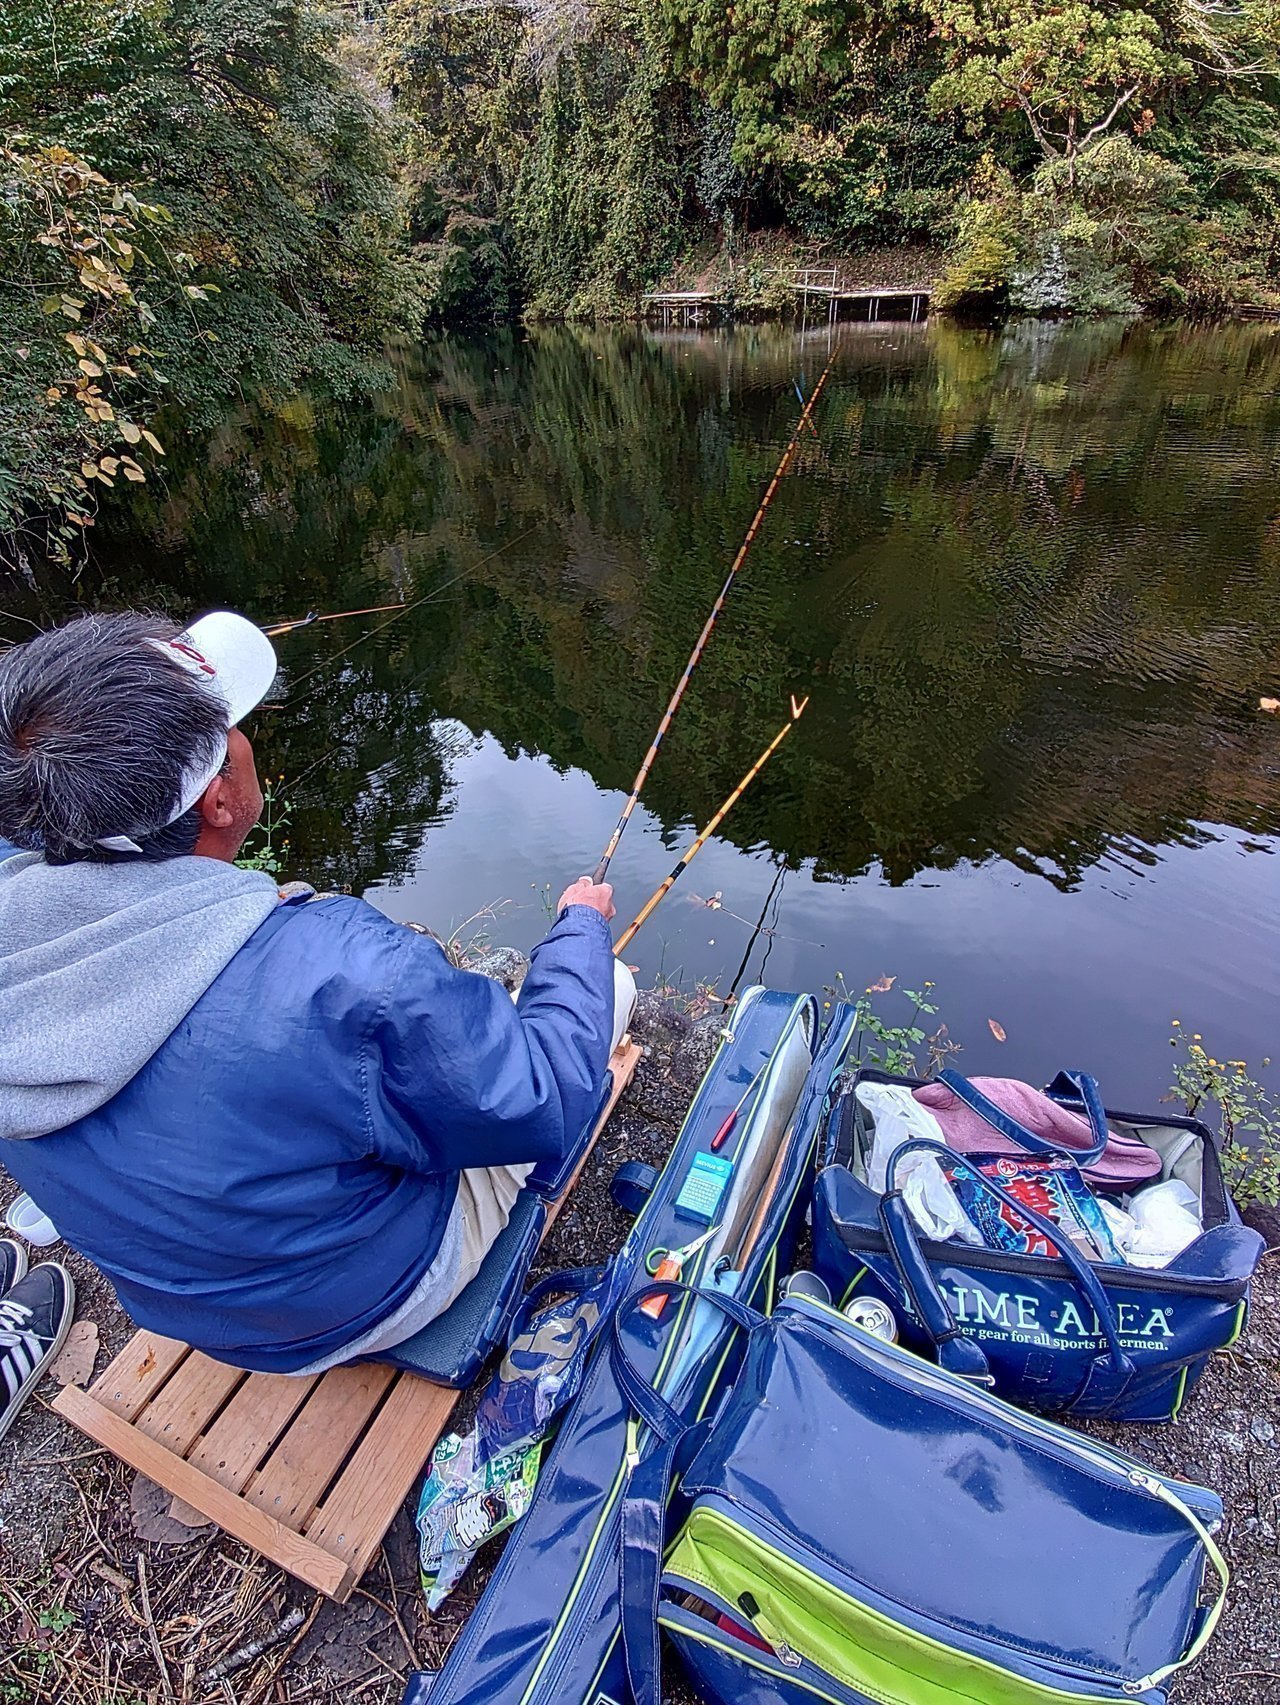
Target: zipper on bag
x=1056, y=1681
x=765, y=1628
x=859, y=1241
x=688, y=1625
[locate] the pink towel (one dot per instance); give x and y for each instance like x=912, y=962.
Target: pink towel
x=1124, y=1161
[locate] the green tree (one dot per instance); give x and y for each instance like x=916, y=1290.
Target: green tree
x=231, y=126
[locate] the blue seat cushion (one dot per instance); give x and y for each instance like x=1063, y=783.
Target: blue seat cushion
x=456, y=1345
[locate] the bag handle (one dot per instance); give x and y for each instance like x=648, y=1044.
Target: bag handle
x=648, y=1487
x=568, y=1282
x=1210, y=1614
x=1107, y=1377
x=1076, y=1086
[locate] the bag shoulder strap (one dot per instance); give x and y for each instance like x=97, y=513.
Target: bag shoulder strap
x=1072, y=1086
x=1107, y=1376
x=648, y=1487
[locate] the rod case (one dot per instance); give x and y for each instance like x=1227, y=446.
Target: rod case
x=547, y=1630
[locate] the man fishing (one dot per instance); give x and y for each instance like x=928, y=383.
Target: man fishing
x=288, y=1130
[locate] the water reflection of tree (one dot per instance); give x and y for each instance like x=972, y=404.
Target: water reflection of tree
x=1031, y=577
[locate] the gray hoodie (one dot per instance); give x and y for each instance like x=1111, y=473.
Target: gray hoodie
x=99, y=964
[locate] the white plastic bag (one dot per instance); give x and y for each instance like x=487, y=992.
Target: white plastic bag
x=1159, y=1223
x=925, y=1188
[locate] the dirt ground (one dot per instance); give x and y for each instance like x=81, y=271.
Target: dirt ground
x=93, y=1612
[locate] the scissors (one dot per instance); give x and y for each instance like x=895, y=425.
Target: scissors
x=668, y=1265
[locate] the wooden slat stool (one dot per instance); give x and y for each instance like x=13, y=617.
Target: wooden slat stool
x=310, y=1472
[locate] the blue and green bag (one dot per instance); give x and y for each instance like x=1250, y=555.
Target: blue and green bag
x=861, y=1527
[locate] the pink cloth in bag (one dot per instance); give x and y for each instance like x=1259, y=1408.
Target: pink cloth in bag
x=1126, y=1161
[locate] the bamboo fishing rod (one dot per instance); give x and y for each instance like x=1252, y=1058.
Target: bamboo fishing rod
x=338, y=616
x=642, y=775
x=668, y=882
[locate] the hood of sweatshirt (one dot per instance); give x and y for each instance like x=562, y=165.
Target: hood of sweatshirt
x=99, y=964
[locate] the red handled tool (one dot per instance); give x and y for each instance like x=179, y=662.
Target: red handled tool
x=718, y=1141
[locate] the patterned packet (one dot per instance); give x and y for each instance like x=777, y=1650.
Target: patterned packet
x=1053, y=1188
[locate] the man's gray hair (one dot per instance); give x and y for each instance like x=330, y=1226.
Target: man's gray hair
x=97, y=730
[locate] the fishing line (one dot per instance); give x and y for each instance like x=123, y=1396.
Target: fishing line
x=695, y=655
x=427, y=598
x=668, y=882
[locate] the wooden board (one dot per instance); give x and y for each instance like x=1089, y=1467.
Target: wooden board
x=310, y=1472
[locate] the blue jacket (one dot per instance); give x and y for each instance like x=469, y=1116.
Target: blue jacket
x=278, y=1176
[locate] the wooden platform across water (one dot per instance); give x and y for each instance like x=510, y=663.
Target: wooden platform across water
x=310, y=1472
x=829, y=299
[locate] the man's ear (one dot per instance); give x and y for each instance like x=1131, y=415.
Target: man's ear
x=215, y=805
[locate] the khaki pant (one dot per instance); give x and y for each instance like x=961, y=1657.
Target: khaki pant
x=487, y=1194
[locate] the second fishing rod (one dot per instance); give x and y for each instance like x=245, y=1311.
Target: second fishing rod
x=642, y=775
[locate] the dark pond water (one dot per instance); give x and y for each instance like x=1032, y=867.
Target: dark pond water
x=1031, y=580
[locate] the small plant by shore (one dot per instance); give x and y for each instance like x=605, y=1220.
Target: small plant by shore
x=1248, y=1118
x=897, y=1047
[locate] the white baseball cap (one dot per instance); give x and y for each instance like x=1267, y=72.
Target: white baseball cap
x=231, y=659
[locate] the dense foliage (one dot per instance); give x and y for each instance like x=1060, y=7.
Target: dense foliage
x=200, y=199
x=1074, y=156
x=196, y=200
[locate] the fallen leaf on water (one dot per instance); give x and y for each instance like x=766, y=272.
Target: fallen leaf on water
x=74, y=1361
x=1273, y=705
x=997, y=1030
x=881, y=987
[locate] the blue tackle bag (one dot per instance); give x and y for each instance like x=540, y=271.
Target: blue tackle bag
x=1062, y=1335
x=857, y=1526
x=547, y=1629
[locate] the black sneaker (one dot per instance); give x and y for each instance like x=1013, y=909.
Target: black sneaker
x=13, y=1263
x=34, y=1319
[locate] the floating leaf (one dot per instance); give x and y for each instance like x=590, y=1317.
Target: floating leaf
x=881, y=986
x=997, y=1030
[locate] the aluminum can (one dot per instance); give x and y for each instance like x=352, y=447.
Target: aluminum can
x=874, y=1317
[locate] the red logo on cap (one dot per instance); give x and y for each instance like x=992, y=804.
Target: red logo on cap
x=195, y=656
